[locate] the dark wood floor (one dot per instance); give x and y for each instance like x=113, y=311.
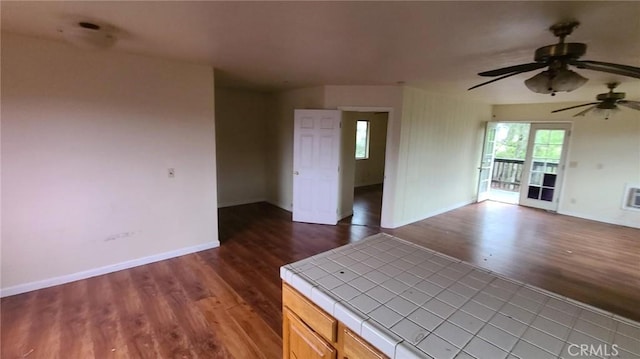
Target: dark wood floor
x=367, y=206
x=226, y=302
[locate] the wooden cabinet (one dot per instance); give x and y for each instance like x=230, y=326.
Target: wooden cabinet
x=310, y=332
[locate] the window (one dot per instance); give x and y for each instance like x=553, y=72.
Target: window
x=362, y=140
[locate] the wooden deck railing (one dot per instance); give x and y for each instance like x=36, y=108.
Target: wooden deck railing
x=507, y=174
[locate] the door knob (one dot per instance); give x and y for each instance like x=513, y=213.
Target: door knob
x=296, y=173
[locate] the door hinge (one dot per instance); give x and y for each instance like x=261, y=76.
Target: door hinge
x=569, y=133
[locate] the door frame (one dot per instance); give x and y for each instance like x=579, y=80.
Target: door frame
x=388, y=186
x=524, y=185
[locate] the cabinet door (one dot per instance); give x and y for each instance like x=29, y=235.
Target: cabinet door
x=300, y=342
x=356, y=348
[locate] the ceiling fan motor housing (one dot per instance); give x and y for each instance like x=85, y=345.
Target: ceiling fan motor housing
x=610, y=96
x=566, y=50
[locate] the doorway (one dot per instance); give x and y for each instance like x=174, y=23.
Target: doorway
x=523, y=163
x=364, y=140
x=503, y=158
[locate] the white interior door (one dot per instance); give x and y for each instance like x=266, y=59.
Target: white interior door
x=544, y=165
x=316, y=165
x=486, y=162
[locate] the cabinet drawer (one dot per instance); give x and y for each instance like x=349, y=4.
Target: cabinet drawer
x=316, y=318
x=357, y=348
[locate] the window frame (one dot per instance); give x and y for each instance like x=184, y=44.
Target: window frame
x=367, y=140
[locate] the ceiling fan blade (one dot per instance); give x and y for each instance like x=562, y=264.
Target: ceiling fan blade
x=609, y=64
x=617, y=71
x=496, y=79
x=630, y=104
x=517, y=68
x=582, y=113
x=572, y=107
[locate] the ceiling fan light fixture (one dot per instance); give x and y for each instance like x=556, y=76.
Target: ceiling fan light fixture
x=540, y=83
x=550, y=82
x=567, y=80
x=605, y=112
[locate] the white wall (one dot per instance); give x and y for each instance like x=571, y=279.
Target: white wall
x=241, y=145
x=603, y=157
x=280, y=146
x=87, y=139
x=370, y=171
x=439, y=152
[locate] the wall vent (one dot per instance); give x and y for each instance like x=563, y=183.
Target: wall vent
x=632, y=197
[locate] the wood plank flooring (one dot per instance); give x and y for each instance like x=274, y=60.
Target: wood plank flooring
x=367, y=206
x=226, y=302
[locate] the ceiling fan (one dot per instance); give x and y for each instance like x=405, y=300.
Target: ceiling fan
x=557, y=58
x=607, y=102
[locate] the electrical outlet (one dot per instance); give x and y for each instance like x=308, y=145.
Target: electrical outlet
x=171, y=172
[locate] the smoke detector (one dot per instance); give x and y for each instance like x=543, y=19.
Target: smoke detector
x=89, y=34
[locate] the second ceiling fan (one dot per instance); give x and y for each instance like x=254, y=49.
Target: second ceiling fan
x=606, y=103
x=557, y=58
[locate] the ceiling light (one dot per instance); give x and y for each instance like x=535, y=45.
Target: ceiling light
x=606, y=110
x=90, y=35
x=552, y=81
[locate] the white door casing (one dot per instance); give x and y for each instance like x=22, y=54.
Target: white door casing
x=486, y=162
x=316, y=165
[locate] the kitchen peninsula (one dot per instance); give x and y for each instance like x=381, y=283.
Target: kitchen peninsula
x=386, y=297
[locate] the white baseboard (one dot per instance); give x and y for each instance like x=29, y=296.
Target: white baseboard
x=599, y=219
x=430, y=214
x=27, y=287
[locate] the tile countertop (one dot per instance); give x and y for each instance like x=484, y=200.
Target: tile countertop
x=412, y=302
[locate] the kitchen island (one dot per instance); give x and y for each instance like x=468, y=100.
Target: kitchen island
x=383, y=296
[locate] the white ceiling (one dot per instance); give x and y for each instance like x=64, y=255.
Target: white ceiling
x=438, y=46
